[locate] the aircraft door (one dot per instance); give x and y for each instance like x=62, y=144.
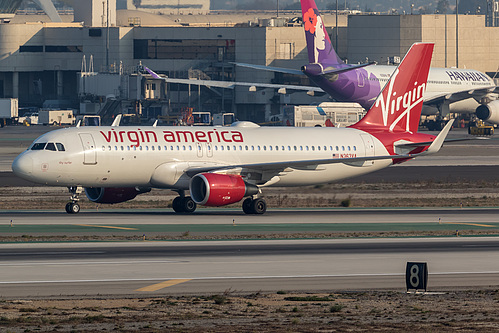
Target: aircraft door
x=361, y=79
x=89, y=151
x=368, y=147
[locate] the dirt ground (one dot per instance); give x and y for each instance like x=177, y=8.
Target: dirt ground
x=356, y=311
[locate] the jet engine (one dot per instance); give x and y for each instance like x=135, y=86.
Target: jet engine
x=212, y=189
x=489, y=112
x=111, y=195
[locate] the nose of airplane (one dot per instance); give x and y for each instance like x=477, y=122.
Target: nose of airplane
x=23, y=166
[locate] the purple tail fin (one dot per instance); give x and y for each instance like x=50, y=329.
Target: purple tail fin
x=320, y=49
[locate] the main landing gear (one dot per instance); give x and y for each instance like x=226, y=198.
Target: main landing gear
x=183, y=204
x=73, y=207
x=254, y=206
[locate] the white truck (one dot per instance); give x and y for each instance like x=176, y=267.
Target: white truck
x=223, y=119
x=327, y=114
x=9, y=111
x=56, y=117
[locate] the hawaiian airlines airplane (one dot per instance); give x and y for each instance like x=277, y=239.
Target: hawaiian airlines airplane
x=447, y=90
x=223, y=165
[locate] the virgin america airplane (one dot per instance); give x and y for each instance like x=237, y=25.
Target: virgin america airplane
x=223, y=165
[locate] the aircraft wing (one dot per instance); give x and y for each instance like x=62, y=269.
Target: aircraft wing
x=269, y=68
x=233, y=84
x=328, y=70
x=459, y=95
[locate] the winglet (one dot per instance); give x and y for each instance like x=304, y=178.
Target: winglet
x=439, y=140
x=117, y=121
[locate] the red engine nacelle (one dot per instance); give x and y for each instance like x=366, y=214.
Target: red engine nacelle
x=110, y=195
x=212, y=189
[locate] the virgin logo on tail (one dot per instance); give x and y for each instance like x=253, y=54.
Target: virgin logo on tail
x=398, y=106
x=394, y=102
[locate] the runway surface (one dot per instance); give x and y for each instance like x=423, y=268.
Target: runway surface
x=90, y=269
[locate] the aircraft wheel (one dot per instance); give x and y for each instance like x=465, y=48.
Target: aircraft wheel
x=247, y=206
x=177, y=205
x=188, y=205
x=259, y=206
x=68, y=208
x=74, y=208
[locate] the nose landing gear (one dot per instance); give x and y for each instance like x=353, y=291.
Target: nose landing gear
x=73, y=207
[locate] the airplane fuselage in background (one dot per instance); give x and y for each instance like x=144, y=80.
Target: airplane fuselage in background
x=363, y=85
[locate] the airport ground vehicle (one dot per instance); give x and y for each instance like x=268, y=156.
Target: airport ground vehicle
x=323, y=115
x=9, y=111
x=479, y=128
x=88, y=120
x=56, y=117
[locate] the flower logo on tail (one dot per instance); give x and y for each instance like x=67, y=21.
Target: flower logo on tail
x=310, y=19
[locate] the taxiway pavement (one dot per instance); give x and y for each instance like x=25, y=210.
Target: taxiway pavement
x=158, y=268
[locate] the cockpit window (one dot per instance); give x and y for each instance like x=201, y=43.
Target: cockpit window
x=60, y=146
x=50, y=146
x=38, y=146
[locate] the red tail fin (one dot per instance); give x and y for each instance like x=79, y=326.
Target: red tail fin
x=398, y=106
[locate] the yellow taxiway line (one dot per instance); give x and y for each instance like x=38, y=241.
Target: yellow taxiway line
x=104, y=226
x=161, y=285
x=472, y=224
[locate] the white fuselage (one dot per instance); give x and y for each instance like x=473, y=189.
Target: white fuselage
x=160, y=156
x=441, y=82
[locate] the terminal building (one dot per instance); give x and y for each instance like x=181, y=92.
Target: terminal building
x=91, y=59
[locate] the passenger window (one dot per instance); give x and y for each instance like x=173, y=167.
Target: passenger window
x=294, y=148
x=228, y=147
x=60, y=147
x=246, y=147
x=270, y=148
x=354, y=148
x=348, y=148
x=115, y=148
x=276, y=147
x=306, y=148
x=252, y=147
x=38, y=146
x=103, y=148
x=122, y=148
x=147, y=148
x=301, y=147
x=190, y=147
x=313, y=148
x=343, y=148
x=265, y=148
x=50, y=146
x=152, y=148
x=337, y=148
x=221, y=147
x=140, y=148
x=318, y=147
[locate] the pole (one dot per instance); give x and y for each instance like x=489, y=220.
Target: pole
x=107, y=36
x=336, y=26
x=457, y=35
